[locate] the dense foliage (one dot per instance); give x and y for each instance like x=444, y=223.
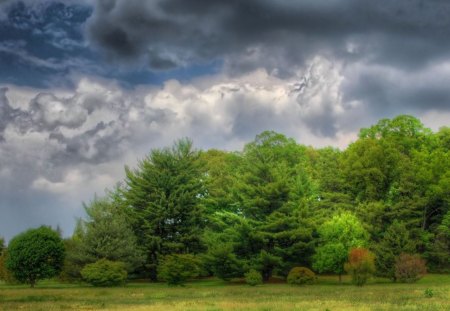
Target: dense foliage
x=277, y=205
x=178, y=268
x=253, y=277
x=104, y=234
x=301, y=276
x=35, y=254
x=339, y=234
x=105, y=272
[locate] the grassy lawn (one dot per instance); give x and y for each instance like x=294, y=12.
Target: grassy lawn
x=327, y=294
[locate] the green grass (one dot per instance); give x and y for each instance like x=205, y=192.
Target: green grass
x=213, y=294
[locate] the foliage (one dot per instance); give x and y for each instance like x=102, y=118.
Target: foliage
x=104, y=234
x=105, y=272
x=300, y=276
x=396, y=240
x=223, y=263
x=438, y=253
x=338, y=235
x=278, y=204
x=5, y=274
x=163, y=198
x=360, y=265
x=176, y=269
x=409, y=268
x=253, y=278
x=35, y=254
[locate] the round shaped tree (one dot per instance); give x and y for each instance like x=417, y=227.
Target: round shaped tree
x=35, y=254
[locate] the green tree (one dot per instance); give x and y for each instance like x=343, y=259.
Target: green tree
x=438, y=255
x=35, y=254
x=104, y=234
x=338, y=235
x=273, y=183
x=396, y=240
x=163, y=197
x=220, y=170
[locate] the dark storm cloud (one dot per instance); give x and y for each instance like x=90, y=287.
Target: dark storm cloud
x=406, y=33
x=282, y=36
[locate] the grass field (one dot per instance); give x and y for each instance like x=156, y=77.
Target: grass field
x=327, y=294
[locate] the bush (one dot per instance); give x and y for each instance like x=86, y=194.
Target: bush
x=253, y=278
x=428, y=293
x=105, y=273
x=300, y=276
x=223, y=263
x=177, y=269
x=409, y=268
x=360, y=265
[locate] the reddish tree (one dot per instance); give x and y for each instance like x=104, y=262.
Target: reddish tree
x=360, y=265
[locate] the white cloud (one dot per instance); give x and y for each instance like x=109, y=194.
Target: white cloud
x=70, y=145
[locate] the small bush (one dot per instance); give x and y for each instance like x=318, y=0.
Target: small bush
x=429, y=293
x=360, y=265
x=253, y=278
x=177, y=269
x=409, y=268
x=105, y=273
x=300, y=276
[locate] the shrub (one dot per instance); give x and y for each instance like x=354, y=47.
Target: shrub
x=360, y=265
x=105, y=273
x=429, y=293
x=177, y=269
x=300, y=276
x=223, y=262
x=409, y=268
x=253, y=278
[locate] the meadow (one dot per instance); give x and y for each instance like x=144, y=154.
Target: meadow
x=430, y=293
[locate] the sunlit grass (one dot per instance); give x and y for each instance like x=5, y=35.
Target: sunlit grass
x=210, y=295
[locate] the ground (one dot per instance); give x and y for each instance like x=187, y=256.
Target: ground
x=212, y=294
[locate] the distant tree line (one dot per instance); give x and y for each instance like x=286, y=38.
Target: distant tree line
x=275, y=206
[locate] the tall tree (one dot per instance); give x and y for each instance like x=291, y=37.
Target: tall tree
x=163, y=196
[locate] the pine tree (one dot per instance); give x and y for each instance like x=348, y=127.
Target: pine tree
x=163, y=197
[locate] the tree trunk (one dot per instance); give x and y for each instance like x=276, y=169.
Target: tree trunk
x=340, y=278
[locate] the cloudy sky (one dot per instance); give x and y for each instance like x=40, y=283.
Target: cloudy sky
x=87, y=86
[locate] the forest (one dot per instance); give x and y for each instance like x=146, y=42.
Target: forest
x=184, y=213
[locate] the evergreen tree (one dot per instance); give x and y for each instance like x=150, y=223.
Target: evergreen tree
x=104, y=234
x=163, y=196
x=396, y=240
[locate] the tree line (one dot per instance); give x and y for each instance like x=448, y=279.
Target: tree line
x=273, y=206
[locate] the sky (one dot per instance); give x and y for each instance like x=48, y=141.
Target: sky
x=87, y=86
